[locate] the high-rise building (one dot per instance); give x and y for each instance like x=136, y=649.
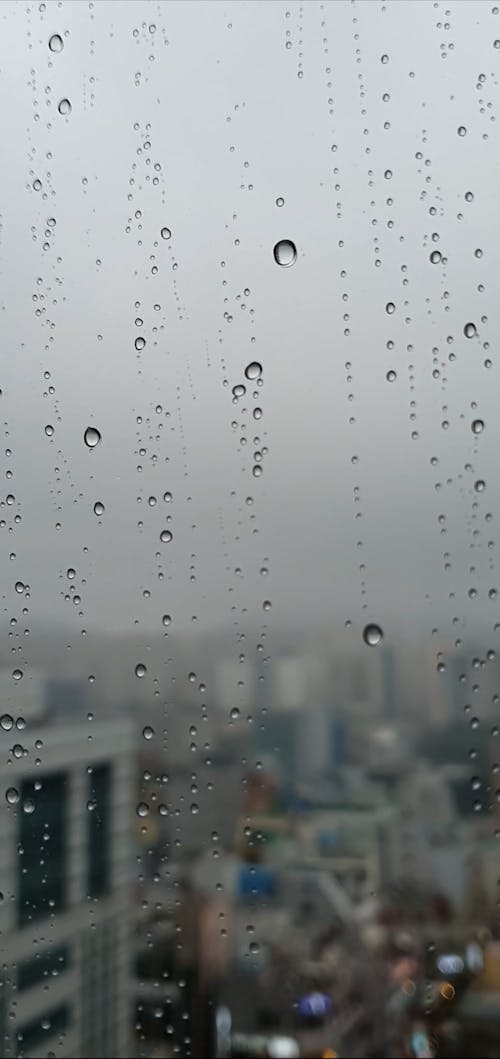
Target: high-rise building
x=65, y=917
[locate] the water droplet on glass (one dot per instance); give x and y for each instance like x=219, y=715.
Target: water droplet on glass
x=194, y=808
x=140, y=669
x=285, y=253
x=372, y=634
x=148, y=731
x=6, y=722
x=390, y=308
x=166, y=536
x=435, y=257
x=56, y=43
x=391, y=376
x=12, y=795
x=166, y=619
x=470, y=330
x=480, y=485
x=19, y=587
x=166, y=233
x=99, y=508
x=235, y=713
x=139, y=343
x=49, y=430
x=253, y=370
x=267, y=604
x=64, y=106
x=17, y=674
x=462, y=131
x=477, y=426
x=29, y=805
x=91, y=437
x=142, y=809
x=280, y=201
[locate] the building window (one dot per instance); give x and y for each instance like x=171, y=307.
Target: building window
x=37, y=1032
x=42, y=860
x=98, y=831
x=52, y=962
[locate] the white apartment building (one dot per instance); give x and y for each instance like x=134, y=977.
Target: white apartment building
x=66, y=797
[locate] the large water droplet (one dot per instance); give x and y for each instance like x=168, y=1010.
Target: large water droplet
x=91, y=437
x=148, y=731
x=470, y=330
x=391, y=375
x=166, y=536
x=390, y=308
x=166, y=619
x=64, y=106
x=142, y=809
x=372, y=634
x=56, y=43
x=17, y=674
x=29, y=805
x=253, y=370
x=477, y=426
x=49, y=430
x=140, y=342
x=166, y=233
x=140, y=669
x=435, y=257
x=285, y=253
x=12, y=795
x=99, y=508
x=6, y=722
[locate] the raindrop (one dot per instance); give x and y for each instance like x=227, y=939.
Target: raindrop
x=140, y=669
x=91, y=437
x=99, y=508
x=470, y=330
x=142, y=809
x=166, y=536
x=19, y=587
x=435, y=257
x=372, y=635
x=12, y=795
x=391, y=376
x=29, y=805
x=239, y=390
x=64, y=106
x=235, y=713
x=17, y=674
x=280, y=201
x=56, y=43
x=6, y=722
x=253, y=370
x=194, y=808
x=462, y=131
x=140, y=342
x=162, y=809
x=390, y=308
x=70, y=573
x=49, y=430
x=166, y=233
x=285, y=253
x=166, y=619
x=479, y=485
x=148, y=732
x=267, y=604
x=477, y=426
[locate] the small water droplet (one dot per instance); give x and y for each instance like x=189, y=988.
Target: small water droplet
x=92, y=437
x=64, y=106
x=477, y=426
x=267, y=604
x=139, y=343
x=435, y=257
x=166, y=619
x=142, y=809
x=462, y=131
x=17, y=674
x=390, y=308
x=99, y=508
x=166, y=536
x=29, y=805
x=166, y=234
x=56, y=43
x=6, y=722
x=391, y=376
x=194, y=808
x=49, y=430
x=140, y=669
x=285, y=253
x=470, y=330
x=372, y=634
x=280, y=201
x=148, y=731
x=235, y=713
x=480, y=485
x=253, y=370
x=19, y=587
x=162, y=809
x=12, y=795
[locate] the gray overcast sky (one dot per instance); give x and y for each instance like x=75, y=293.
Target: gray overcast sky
x=198, y=117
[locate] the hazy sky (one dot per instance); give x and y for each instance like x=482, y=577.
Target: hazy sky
x=198, y=118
